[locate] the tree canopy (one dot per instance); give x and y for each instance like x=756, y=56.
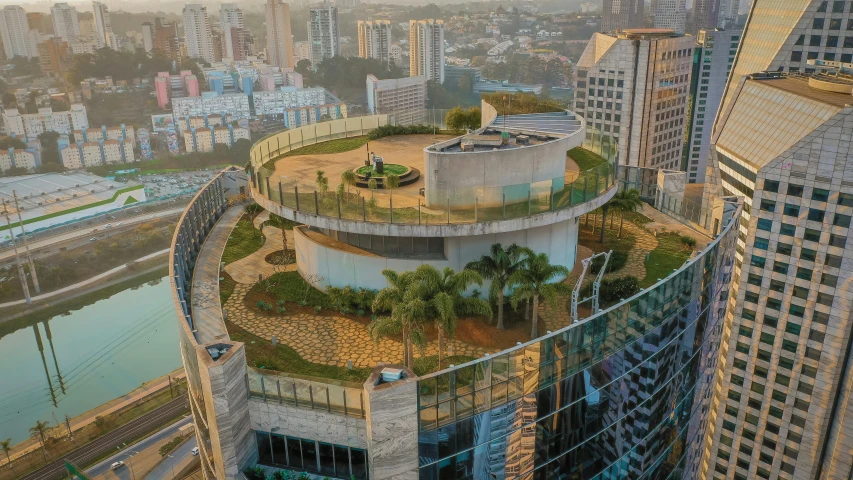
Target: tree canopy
x=122, y=65
x=531, y=70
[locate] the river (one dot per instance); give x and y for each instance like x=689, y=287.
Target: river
x=70, y=364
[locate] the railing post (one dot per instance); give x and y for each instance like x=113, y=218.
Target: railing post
x=571, y=194
x=311, y=395
x=585, y=186
x=345, y=402
x=419, y=212
x=339, y=205
x=391, y=210
x=263, y=389
x=248, y=387
x=278, y=388
x=295, y=398
x=528, y=200
x=476, y=200
x=361, y=400
x=316, y=204
x=363, y=210
x=503, y=206
x=597, y=175
x=280, y=194
x=328, y=401
x=296, y=193
x=448, y=210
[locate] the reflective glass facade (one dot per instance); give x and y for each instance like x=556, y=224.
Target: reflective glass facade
x=311, y=456
x=620, y=395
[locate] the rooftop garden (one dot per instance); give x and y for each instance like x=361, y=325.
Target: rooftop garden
x=522, y=103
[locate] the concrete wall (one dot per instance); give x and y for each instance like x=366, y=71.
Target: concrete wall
x=303, y=422
x=341, y=268
x=487, y=175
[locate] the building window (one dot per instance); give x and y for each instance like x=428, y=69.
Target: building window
x=804, y=273
x=811, y=235
x=787, y=229
x=791, y=210
x=779, y=267
x=820, y=194
x=816, y=215
x=767, y=206
x=817, y=24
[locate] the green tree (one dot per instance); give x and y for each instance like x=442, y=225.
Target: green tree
x=50, y=149
x=239, y=153
x=11, y=142
x=322, y=182
x=442, y=292
x=6, y=446
x=456, y=119
x=408, y=313
x=392, y=181
x=221, y=151
x=534, y=281
x=349, y=179
x=625, y=201
x=39, y=432
x=498, y=267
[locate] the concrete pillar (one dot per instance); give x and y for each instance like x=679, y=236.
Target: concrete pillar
x=392, y=425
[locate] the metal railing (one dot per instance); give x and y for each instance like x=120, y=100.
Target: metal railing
x=327, y=395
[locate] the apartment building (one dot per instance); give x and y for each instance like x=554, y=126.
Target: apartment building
x=632, y=89
x=95, y=153
x=54, y=57
x=712, y=61
x=197, y=35
x=275, y=102
x=301, y=116
x=30, y=125
x=279, y=38
x=426, y=49
x=103, y=33
x=14, y=158
x=66, y=25
x=374, y=40
x=323, y=33
x=396, y=95
x=15, y=33
x=121, y=132
x=201, y=139
x=211, y=103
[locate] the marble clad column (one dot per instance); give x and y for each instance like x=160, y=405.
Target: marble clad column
x=392, y=425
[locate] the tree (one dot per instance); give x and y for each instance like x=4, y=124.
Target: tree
x=458, y=119
x=220, y=150
x=50, y=148
x=349, y=179
x=407, y=314
x=240, y=150
x=9, y=100
x=392, y=181
x=11, y=142
x=625, y=201
x=39, y=432
x=534, y=281
x=498, y=267
x=6, y=446
x=322, y=182
x=442, y=292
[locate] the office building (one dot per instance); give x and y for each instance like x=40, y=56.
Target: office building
x=197, y=35
x=622, y=15
x=632, y=89
x=712, y=61
x=65, y=23
x=323, y=33
x=622, y=393
x=279, y=38
x=426, y=49
x=706, y=16
x=211, y=103
x=779, y=144
x=671, y=15
x=30, y=125
x=54, y=57
x=405, y=98
x=104, y=35
x=374, y=40
x=15, y=33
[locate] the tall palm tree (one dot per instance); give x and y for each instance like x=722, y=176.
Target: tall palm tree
x=39, y=432
x=498, y=266
x=625, y=201
x=349, y=179
x=407, y=313
x=534, y=281
x=6, y=446
x=442, y=292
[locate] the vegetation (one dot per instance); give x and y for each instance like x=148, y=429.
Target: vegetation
x=11, y=142
x=614, y=289
x=6, y=446
x=458, y=119
x=39, y=432
x=350, y=300
x=498, y=267
x=618, y=259
x=226, y=287
x=345, y=75
x=177, y=163
x=626, y=201
x=388, y=168
x=669, y=255
x=123, y=65
x=291, y=287
x=585, y=159
x=389, y=130
x=440, y=96
x=519, y=103
x=172, y=444
x=245, y=239
x=408, y=313
x=50, y=149
x=534, y=281
x=530, y=70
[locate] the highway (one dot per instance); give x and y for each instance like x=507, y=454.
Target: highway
x=128, y=454
x=108, y=443
x=81, y=236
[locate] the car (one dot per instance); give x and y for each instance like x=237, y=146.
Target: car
x=109, y=225
x=118, y=224
x=116, y=465
x=93, y=239
x=194, y=451
x=94, y=230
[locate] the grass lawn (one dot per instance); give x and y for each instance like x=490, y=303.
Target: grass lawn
x=389, y=168
x=282, y=358
x=245, y=239
x=226, y=287
x=290, y=287
x=585, y=159
x=669, y=255
x=276, y=221
x=332, y=146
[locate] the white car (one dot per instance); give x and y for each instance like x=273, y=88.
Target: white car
x=116, y=465
x=108, y=225
x=194, y=451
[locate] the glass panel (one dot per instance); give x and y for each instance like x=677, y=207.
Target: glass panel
x=279, y=450
x=327, y=459
x=294, y=452
x=342, y=462
x=309, y=455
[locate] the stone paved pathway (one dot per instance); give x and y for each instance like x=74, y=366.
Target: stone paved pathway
x=329, y=338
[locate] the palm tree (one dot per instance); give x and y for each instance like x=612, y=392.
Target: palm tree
x=39, y=432
x=498, y=266
x=6, y=446
x=534, y=281
x=407, y=317
x=348, y=177
x=442, y=292
x=322, y=182
x=392, y=181
x=625, y=201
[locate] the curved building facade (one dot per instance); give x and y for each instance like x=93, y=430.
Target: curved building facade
x=621, y=394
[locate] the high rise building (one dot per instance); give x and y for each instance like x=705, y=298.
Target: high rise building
x=426, y=49
x=65, y=22
x=242, y=43
x=148, y=36
x=229, y=17
x=15, y=33
x=632, y=88
x=54, y=57
x=401, y=96
x=301, y=51
x=104, y=35
x=712, y=61
x=197, y=35
x=39, y=22
x=323, y=33
x=374, y=39
x=165, y=39
x=786, y=344
x=671, y=14
x=706, y=15
x=622, y=14
x=279, y=39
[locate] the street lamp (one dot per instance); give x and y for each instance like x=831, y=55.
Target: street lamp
x=129, y=461
x=172, y=464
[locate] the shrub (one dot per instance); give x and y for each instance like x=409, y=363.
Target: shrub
x=253, y=208
x=618, y=259
x=348, y=299
x=389, y=130
x=613, y=289
x=317, y=308
x=255, y=473
x=688, y=241
x=281, y=310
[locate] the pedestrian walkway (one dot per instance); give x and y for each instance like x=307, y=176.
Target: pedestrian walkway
x=86, y=282
x=151, y=388
x=247, y=269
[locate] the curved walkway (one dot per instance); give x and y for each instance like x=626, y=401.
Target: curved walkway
x=247, y=269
